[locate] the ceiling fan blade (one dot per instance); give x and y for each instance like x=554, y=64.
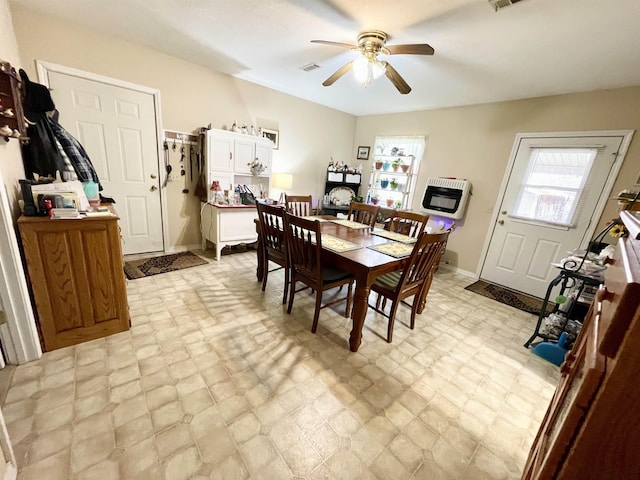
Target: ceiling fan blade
x=335, y=44
x=413, y=49
x=341, y=71
x=391, y=73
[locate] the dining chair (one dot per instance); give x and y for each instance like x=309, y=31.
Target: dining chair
x=304, y=246
x=273, y=249
x=299, y=205
x=412, y=280
x=363, y=213
x=407, y=223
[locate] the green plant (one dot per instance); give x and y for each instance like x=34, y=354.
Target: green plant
x=396, y=163
x=357, y=198
x=394, y=183
x=398, y=204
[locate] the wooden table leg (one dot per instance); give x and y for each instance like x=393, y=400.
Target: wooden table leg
x=360, y=306
x=259, y=253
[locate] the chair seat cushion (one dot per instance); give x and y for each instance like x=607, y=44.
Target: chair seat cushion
x=388, y=281
x=332, y=274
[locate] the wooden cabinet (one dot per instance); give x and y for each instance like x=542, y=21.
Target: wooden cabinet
x=76, y=277
x=392, y=181
x=592, y=428
x=228, y=155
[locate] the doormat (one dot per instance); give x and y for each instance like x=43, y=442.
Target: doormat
x=145, y=267
x=515, y=299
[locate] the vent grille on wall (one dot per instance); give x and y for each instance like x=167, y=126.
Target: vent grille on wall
x=500, y=4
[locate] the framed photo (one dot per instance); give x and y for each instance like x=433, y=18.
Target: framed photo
x=272, y=135
x=363, y=153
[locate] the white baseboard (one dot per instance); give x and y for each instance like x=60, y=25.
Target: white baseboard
x=460, y=271
x=183, y=248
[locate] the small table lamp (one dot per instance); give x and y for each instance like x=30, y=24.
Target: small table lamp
x=283, y=182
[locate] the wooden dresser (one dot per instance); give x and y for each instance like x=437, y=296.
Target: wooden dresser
x=592, y=428
x=76, y=276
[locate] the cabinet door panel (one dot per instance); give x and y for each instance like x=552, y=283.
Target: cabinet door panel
x=75, y=271
x=245, y=153
x=220, y=154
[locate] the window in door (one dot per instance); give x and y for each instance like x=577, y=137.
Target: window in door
x=554, y=184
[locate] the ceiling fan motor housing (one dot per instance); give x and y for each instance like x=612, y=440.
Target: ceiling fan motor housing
x=372, y=42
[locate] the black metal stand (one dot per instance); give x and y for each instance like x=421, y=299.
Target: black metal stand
x=564, y=278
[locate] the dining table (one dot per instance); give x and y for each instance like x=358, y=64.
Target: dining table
x=360, y=259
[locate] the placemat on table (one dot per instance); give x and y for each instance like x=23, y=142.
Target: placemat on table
x=398, y=237
x=337, y=244
x=315, y=217
x=350, y=223
x=394, y=249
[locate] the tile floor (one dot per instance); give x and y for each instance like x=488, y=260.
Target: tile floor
x=214, y=380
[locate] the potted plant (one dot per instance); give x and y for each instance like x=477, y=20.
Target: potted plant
x=398, y=204
x=389, y=202
x=394, y=184
x=378, y=164
x=385, y=166
x=375, y=199
x=384, y=183
x=396, y=164
x=405, y=167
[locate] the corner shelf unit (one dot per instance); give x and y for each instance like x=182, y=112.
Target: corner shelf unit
x=384, y=178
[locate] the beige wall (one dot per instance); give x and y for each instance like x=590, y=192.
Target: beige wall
x=192, y=97
x=474, y=142
x=11, y=168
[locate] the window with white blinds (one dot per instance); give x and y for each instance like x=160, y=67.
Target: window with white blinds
x=554, y=184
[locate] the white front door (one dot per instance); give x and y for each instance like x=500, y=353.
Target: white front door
x=548, y=205
x=117, y=127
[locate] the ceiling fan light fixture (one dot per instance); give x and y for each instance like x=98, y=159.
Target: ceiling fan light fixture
x=366, y=69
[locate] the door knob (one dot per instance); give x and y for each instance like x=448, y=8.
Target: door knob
x=503, y=212
x=153, y=188
x=500, y=222
x=153, y=175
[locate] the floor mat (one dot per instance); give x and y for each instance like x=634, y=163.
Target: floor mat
x=518, y=300
x=145, y=267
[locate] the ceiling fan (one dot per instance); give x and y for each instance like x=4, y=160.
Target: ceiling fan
x=367, y=67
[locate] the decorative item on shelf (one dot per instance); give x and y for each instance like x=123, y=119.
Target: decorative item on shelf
x=256, y=167
x=378, y=164
x=389, y=202
x=386, y=165
x=405, y=167
x=235, y=127
x=618, y=230
x=396, y=164
x=384, y=183
x=393, y=184
x=375, y=199
x=394, y=151
x=244, y=130
x=252, y=130
x=398, y=204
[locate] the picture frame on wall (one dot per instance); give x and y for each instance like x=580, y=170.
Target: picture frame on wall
x=272, y=135
x=363, y=153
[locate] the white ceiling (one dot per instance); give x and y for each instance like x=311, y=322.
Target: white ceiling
x=530, y=49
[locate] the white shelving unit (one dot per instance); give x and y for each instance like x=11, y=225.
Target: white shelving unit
x=392, y=186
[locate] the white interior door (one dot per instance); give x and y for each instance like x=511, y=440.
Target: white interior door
x=548, y=206
x=117, y=127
